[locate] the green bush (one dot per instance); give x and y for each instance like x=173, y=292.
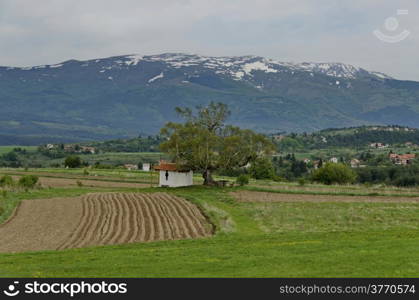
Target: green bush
x=301, y=181
x=28, y=181
x=407, y=181
x=6, y=180
x=242, y=180
x=262, y=168
x=277, y=178
x=72, y=161
x=334, y=173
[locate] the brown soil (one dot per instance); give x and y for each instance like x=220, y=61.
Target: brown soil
x=70, y=175
x=338, y=189
x=249, y=196
x=66, y=182
x=101, y=219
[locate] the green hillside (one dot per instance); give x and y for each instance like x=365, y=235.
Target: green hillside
x=118, y=97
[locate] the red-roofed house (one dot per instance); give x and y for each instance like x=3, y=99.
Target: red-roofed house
x=402, y=159
x=172, y=176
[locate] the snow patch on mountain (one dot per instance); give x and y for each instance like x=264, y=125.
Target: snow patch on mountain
x=381, y=75
x=56, y=66
x=238, y=75
x=257, y=66
x=133, y=59
x=161, y=75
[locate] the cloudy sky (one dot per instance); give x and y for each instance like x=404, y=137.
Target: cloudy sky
x=50, y=31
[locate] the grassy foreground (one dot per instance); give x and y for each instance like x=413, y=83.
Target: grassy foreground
x=252, y=240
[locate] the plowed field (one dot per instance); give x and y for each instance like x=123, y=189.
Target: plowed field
x=101, y=219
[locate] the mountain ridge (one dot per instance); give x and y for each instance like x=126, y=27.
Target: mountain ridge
x=335, y=69
x=123, y=96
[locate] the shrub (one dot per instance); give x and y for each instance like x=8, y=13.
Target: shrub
x=79, y=183
x=28, y=181
x=242, y=180
x=406, y=181
x=6, y=180
x=277, y=178
x=72, y=161
x=334, y=173
x=85, y=172
x=301, y=182
x=262, y=168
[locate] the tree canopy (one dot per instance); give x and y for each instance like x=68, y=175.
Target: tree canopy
x=334, y=173
x=204, y=143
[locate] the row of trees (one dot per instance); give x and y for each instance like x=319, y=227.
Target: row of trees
x=352, y=137
x=26, y=182
x=148, y=143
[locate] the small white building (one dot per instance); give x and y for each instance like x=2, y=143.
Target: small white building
x=131, y=167
x=146, y=167
x=355, y=163
x=171, y=176
x=334, y=160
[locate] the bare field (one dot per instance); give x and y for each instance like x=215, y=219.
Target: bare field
x=101, y=219
x=118, y=177
x=340, y=189
x=250, y=196
x=67, y=182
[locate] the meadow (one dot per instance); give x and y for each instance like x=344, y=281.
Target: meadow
x=252, y=239
x=6, y=149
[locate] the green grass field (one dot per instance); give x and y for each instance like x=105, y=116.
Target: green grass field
x=252, y=240
x=5, y=149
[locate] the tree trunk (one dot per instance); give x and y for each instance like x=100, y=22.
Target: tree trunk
x=208, y=180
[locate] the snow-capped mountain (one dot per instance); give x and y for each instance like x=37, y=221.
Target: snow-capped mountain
x=238, y=67
x=125, y=95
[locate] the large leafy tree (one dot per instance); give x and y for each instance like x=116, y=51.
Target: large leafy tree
x=204, y=143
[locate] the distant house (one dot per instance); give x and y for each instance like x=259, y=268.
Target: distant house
x=402, y=159
x=69, y=148
x=172, y=176
x=278, y=137
x=87, y=149
x=306, y=160
x=131, y=167
x=355, y=163
x=146, y=167
x=50, y=146
x=334, y=160
x=79, y=149
x=378, y=145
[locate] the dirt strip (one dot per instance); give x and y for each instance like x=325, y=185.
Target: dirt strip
x=251, y=196
x=64, y=183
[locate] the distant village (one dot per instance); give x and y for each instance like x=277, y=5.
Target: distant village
x=71, y=148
